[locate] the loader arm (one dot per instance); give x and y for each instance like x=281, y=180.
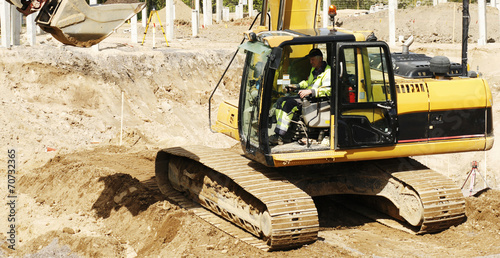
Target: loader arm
x=74, y=22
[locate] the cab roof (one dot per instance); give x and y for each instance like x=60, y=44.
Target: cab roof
x=307, y=36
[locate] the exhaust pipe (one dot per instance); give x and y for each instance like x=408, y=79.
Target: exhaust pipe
x=406, y=45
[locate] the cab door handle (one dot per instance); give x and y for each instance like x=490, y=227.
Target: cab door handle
x=384, y=107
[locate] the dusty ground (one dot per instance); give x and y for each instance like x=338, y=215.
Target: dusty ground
x=92, y=197
x=442, y=24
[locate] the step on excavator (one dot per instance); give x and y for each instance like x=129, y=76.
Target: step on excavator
x=358, y=140
x=74, y=22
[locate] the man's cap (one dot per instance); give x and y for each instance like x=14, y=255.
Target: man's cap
x=315, y=52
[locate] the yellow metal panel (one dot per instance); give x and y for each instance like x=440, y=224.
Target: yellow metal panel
x=362, y=89
x=299, y=51
x=306, y=158
x=299, y=14
x=359, y=36
x=412, y=97
x=400, y=150
x=227, y=120
x=227, y=130
x=489, y=97
x=274, y=41
x=457, y=93
x=364, y=68
x=416, y=149
x=377, y=92
x=489, y=143
x=332, y=130
x=228, y=114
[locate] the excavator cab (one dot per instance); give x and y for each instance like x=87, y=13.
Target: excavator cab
x=359, y=112
x=365, y=114
x=283, y=67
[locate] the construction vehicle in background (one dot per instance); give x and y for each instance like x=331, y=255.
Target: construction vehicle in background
x=74, y=22
x=383, y=108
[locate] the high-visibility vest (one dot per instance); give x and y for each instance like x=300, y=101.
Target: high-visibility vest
x=323, y=79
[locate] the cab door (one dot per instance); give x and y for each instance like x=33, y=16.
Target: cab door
x=365, y=114
x=250, y=100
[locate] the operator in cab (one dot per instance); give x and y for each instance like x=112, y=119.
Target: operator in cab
x=316, y=85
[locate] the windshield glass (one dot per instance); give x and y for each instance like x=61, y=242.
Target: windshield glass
x=256, y=59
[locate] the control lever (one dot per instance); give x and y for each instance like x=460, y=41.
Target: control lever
x=291, y=88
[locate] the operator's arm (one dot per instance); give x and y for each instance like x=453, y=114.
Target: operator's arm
x=305, y=83
x=304, y=89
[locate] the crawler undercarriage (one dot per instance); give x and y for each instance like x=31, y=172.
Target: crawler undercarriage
x=276, y=206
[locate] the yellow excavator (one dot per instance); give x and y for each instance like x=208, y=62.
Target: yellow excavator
x=74, y=22
x=383, y=108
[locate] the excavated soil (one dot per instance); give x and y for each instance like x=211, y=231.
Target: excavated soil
x=81, y=194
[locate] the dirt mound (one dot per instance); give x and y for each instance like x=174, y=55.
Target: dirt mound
x=103, y=202
x=182, y=12
x=68, y=99
x=428, y=24
x=483, y=212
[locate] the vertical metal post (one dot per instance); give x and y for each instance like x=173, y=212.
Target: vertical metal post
x=485, y=170
x=263, y=16
x=121, y=119
x=169, y=9
x=16, y=18
x=281, y=14
x=207, y=12
x=194, y=22
x=481, y=6
x=465, y=35
x=239, y=11
x=197, y=8
x=31, y=28
x=454, y=15
x=144, y=15
x=325, y=17
x=96, y=46
x=133, y=29
x=5, y=24
x=250, y=8
x=392, y=22
x=225, y=14
x=218, y=10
